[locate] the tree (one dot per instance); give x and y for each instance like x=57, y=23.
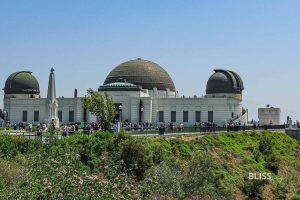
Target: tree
x=102, y=106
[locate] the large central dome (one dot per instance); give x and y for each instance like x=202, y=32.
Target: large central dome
x=142, y=73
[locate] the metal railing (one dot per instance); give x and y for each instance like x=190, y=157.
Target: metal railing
x=146, y=130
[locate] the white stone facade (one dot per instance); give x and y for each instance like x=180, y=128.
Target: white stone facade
x=141, y=105
x=66, y=106
x=224, y=109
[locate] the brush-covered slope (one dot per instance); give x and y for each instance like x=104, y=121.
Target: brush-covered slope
x=107, y=166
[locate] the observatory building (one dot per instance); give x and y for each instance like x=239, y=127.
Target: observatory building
x=143, y=91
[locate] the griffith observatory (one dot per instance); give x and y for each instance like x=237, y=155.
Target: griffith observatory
x=143, y=90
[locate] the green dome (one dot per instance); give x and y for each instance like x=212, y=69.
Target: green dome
x=22, y=82
x=224, y=81
x=142, y=73
x=119, y=85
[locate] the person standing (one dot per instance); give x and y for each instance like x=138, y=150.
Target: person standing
x=20, y=126
x=76, y=128
x=254, y=126
x=65, y=130
x=172, y=127
x=30, y=127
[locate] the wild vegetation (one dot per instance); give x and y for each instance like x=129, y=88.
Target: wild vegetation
x=107, y=166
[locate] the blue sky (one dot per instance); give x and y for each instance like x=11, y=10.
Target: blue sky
x=85, y=40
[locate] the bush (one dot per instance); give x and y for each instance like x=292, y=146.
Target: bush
x=163, y=182
x=88, y=148
x=135, y=157
x=199, y=179
x=10, y=146
x=253, y=189
x=265, y=145
x=10, y=174
x=272, y=164
x=281, y=192
x=297, y=196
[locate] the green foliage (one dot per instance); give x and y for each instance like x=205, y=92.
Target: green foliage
x=265, y=145
x=10, y=146
x=281, y=192
x=10, y=173
x=135, y=157
x=297, y=196
x=253, y=189
x=272, y=164
x=199, y=179
x=163, y=181
x=101, y=106
x=118, y=166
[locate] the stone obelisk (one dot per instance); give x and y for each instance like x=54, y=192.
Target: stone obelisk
x=52, y=101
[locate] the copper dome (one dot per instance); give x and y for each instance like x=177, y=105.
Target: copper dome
x=224, y=81
x=142, y=73
x=22, y=82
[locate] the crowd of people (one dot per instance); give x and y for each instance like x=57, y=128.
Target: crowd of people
x=21, y=126
x=88, y=128
x=69, y=129
x=235, y=126
x=173, y=127
x=129, y=125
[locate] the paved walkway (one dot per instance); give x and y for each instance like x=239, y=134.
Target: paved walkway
x=200, y=133
x=32, y=135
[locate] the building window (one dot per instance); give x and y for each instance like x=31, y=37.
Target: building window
x=60, y=115
x=24, y=116
x=71, y=116
x=185, y=116
x=173, y=116
x=160, y=116
x=36, y=116
x=198, y=116
x=232, y=115
x=210, y=116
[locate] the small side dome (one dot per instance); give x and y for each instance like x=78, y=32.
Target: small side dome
x=22, y=82
x=224, y=81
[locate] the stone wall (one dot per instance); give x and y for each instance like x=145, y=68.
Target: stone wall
x=294, y=133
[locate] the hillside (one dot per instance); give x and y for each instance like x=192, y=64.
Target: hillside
x=107, y=166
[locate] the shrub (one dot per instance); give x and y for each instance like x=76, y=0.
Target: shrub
x=10, y=174
x=272, y=164
x=135, y=157
x=199, y=179
x=297, y=196
x=281, y=192
x=10, y=146
x=265, y=145
x=159, y=154
x=163, y=182
x=253, y=188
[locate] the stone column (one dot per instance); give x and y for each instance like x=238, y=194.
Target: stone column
x=52, y=101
